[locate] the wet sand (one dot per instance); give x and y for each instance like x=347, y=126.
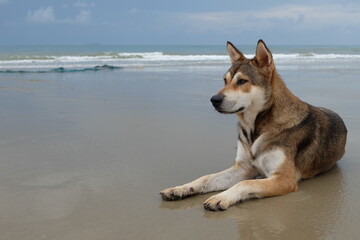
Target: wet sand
x=84, y=155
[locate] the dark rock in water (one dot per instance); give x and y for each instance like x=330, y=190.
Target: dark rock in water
x=109, y=67
x=60, y=69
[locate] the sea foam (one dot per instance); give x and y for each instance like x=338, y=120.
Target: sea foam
x=144, y=59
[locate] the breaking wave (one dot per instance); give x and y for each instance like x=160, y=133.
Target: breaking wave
x=160, y=56
x=85, y=62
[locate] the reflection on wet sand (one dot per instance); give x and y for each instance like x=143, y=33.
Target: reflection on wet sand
x=284, y=217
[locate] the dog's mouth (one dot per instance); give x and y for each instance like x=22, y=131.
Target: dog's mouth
x=230, y=112
x=225, y=106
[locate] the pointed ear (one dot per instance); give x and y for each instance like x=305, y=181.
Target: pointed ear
x=263, y=55
x=234, y=53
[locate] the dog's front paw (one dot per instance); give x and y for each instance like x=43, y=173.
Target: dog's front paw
x=175, y=193
x=217, y=203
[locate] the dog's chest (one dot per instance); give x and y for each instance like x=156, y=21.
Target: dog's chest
x=247, y=144
x=248, y=150
x=248, y=141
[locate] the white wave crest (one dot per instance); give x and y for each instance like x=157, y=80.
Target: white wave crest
x=128, y=59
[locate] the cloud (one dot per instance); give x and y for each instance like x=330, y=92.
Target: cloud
x=83, y=16
x=300, y=16
x=46, y=15
x=41, y=15
x=314, y=17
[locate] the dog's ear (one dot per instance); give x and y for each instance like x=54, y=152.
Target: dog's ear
x=234, y=53
x=263, y=55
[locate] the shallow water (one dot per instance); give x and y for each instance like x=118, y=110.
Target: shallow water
x=84, y=155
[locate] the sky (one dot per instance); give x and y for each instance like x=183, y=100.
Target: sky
x=185, y=22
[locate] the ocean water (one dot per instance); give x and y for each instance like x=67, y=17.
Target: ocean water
x=23, y=59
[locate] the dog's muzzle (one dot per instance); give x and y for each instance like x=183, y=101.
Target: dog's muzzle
x=216, y=100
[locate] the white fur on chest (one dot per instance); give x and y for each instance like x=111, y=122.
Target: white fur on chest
x=269, y=162
x=266, y=163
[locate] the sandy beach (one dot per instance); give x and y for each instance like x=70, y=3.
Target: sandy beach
x=84, y=156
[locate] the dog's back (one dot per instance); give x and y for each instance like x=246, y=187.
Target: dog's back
x=323, y=144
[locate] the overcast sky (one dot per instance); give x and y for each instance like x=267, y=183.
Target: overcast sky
x=159, y=22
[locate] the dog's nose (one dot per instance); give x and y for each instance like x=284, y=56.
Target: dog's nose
x=217, y=100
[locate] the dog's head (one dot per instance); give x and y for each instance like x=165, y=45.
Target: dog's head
x=247, y=82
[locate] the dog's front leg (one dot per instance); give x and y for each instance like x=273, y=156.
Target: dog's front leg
x=258, y=188
x=213, y=182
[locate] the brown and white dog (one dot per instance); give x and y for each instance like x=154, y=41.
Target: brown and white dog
x=281, y=138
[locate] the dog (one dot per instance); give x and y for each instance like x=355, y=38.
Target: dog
x=281, y=139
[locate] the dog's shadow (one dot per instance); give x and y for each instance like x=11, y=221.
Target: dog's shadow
x=316, y=207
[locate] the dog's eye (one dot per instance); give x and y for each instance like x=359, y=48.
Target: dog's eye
x=241, y=81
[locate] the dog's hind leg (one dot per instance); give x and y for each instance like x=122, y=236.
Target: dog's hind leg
x=211, y=183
